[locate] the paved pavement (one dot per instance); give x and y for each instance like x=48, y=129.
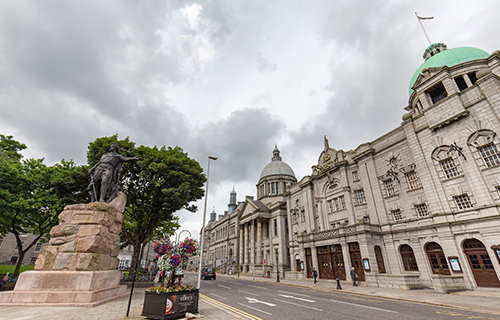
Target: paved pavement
x=481, y=300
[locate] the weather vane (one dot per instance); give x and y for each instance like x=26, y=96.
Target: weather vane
x=420, y=21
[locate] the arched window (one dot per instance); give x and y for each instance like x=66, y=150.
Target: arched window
x=437, y=258
x=409, y=261
x=380, y=259
x=486, y=141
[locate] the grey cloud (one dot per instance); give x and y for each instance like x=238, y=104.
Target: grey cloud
x=263, y=63
x=243, y=142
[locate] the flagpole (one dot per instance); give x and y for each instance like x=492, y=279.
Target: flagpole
x=419, y=21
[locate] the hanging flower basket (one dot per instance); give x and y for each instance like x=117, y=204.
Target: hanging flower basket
x=173, y=299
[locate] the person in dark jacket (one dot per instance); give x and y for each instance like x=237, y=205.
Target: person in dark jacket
x=353, y=276
x=315, y=275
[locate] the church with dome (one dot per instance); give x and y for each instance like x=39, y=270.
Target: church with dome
x=417, y=207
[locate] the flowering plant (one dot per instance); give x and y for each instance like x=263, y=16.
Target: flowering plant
x=171, y=256
x=180, y=287
x=162, y=247
x=188, y=247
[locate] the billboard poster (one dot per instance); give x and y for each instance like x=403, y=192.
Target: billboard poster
x=181, y=302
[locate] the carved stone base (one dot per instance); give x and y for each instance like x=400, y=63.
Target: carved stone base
x=65, y=288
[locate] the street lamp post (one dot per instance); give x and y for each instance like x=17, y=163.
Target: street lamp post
x=334, y=250
x=277, y=269
x=203, y=225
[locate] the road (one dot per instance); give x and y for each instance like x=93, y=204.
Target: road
x=262, y=300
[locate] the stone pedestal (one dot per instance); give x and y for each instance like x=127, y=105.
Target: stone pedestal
x=65, y=288
x=78, y=268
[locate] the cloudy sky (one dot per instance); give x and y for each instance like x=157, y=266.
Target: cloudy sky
x=222, y=78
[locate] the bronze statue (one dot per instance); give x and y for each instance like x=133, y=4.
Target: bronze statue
x=105, y=175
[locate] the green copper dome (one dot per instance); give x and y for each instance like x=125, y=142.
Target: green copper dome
x=450, y=58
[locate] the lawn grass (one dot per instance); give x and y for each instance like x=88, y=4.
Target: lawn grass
x=4, y=268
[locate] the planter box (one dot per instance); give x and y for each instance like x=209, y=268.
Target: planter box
x=170, y=305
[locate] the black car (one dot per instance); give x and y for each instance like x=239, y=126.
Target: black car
x=208, y=273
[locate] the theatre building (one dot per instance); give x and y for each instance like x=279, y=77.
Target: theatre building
x=419, y=206
x=416, y=207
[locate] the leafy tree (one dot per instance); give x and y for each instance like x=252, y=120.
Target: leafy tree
x=33, y=194
x=164, y=181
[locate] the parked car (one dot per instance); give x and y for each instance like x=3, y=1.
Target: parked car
x=208, y=273
x=179, y=272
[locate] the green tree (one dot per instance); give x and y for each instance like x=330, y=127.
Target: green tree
x=33, y=194
x=164, y=181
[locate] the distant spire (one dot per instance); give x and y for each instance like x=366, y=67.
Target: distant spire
x=232, y=202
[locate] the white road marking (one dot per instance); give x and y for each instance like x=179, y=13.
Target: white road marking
x=253, y=300
x=360, y=305
x=225, y=287
x=241, y=304
x=258, y=287
x=253, y=294
x=218, y=296
x=233, y=282
x=286, y=296
x=300, y=305
x=210, y=283
x=295, y=293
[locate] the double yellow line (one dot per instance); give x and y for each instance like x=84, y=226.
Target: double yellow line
x=232, y=309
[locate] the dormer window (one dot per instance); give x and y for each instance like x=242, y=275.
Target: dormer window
x=472, y=77
x=437, y=93
x=461, y=84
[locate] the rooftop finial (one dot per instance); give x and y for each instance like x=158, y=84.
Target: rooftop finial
x=419, y=20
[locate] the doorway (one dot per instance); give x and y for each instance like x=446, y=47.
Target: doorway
x=480, y=264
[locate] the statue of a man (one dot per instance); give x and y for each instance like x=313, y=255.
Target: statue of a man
x=105, y=175
x=327, y=146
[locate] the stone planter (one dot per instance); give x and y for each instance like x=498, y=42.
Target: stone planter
x=170, y=305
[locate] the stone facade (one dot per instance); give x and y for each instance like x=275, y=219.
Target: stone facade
x=419, y=206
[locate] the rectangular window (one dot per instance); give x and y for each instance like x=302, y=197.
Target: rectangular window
x=490, y=155
x=472, y=77
x=359, y=196
x=389, y=188
x=33, y=260
x=397, y=215
x=277, y=188
x=284, y=187
x=463, y=201
x=437, y=93
x=355, y=176
x=413, y=180
x=449, y=168
x=275, y=227
x=13, y=260
x=421, y=210
x=337, y=204
x=38, y=246
x=272, y=188
x=461, y=83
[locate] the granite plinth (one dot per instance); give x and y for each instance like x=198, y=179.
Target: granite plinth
x=65, y=288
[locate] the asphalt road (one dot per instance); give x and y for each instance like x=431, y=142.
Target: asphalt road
x=258, y=300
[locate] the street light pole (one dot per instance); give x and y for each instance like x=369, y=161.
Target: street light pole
x=277, y=263
x=334, y=250
x=203, y=225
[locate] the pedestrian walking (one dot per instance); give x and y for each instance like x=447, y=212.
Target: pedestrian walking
x=353, y=276
x=315, y=275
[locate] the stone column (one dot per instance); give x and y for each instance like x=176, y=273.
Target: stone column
x=252, y=241
x=240, y=260
x=246, y=244
x=259, y=241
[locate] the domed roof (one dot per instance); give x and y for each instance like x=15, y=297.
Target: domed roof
x=450, y=58
x=276, y=166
